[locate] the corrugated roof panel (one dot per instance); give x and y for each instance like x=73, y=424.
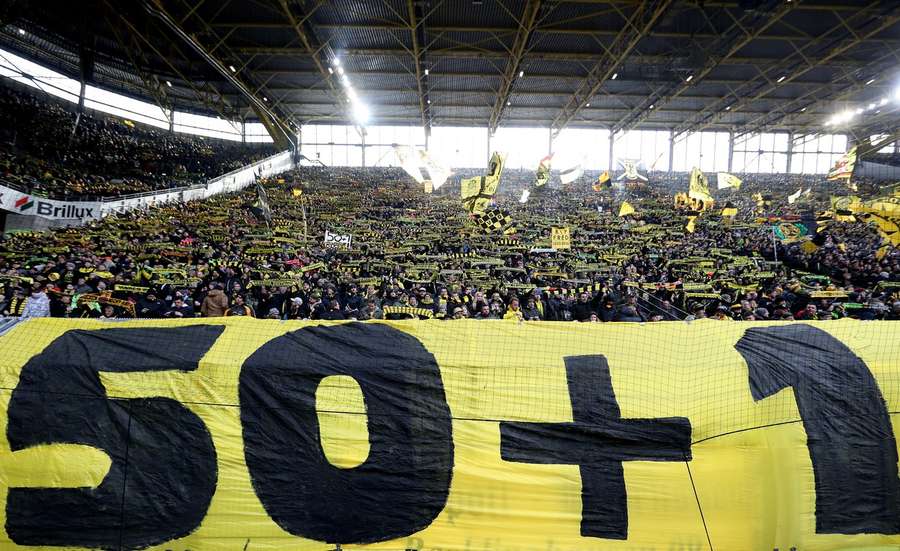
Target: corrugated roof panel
x=468, y=40
x=340, y=38
x=374, y=62
x=469, y=14
x=360, y=11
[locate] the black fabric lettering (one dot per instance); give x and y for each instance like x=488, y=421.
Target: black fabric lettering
x=403, y=484
x=163, y=472
x=848, y=430
x=598, y=441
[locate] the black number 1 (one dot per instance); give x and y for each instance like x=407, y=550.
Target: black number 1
x=848, y=430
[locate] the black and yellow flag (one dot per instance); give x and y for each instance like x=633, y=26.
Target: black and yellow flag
x=603, y=181
x=888, y=227
x=478, y=192
x=843, y=169
x=730, y=210
x=495, y=220
x=543, y=171
x=762, y=201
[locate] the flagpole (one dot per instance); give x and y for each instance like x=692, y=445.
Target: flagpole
x=774, y=244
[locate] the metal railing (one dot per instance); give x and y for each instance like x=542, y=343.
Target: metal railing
x=651, y=305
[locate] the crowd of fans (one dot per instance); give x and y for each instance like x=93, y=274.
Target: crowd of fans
x=420, y=255
x=47, y=149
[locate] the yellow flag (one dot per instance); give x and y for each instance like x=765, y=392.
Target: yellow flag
x=699, y=186
x=477, y=192
x=626, y=209
x=470, y=187
x=809, y=247
x=297, y=192
x=725, y=180
x=843, y=169
x=690, y=225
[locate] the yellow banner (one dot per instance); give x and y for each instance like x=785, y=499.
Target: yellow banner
x=560, y=238
x=468, y=435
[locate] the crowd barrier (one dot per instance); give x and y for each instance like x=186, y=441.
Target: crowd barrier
x=227, y=183
x=236, y=434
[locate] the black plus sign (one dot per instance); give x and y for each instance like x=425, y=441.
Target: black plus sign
x=597, y=441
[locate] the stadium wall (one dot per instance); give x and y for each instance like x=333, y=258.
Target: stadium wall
x=877, y=171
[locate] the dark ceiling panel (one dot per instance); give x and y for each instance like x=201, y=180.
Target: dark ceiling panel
x=465, y=47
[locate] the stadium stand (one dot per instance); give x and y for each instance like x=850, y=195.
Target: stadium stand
x=403, y=254
x=47, y=149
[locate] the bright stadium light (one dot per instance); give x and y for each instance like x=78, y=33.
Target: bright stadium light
x=265, y=98
x=882, y=102
x=588, y=104
x=429, y=102
x=346, y=80
x=652, y=106
x=689, y=78
x=728, y=108
x=842, y=117
x=615, y=76
x=426, y=72
x=870, y=81
x=336, y=62
x=22, y=31
x=781, y=79
x=233, y=70
x=521, y=74
x=169, y=83
x=330, y=71
x=872, y=105
x=361, y=113
x=341, y=71
x=802, y=110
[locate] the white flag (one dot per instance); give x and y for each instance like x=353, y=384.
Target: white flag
x=409, y=161
x=525, y=194
x=793, y=197
x=569, y=175
x=437, y=172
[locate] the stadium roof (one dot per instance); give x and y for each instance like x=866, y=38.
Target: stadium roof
x=622, y=64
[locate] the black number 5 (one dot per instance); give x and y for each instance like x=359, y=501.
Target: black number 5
x=163, y=471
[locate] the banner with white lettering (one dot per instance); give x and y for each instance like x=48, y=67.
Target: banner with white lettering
x=337, y=240
x=32, y=205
